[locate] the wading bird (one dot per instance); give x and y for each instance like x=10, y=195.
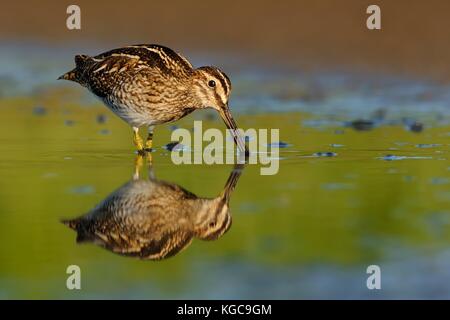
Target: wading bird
x=147, y=85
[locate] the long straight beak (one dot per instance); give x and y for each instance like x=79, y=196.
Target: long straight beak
x=231, y=124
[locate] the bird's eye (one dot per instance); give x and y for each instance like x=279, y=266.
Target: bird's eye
x=212, y=83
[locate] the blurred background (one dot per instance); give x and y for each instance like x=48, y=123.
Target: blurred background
x=323, y=33
x=364, y=174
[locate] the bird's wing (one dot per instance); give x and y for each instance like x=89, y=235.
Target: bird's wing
x=103, y=74
x=154, y=56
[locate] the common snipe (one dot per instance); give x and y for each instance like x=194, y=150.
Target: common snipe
x=147, y=85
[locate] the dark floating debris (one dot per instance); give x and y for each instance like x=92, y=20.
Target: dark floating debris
x=280, y=144
x=412, y=125
x=376, y=119
x=325, y=154
x=101, y=118
x=416, y=127
x=170, y=146
x=175, y=146
x=69, y=123
x=39, y=111
x=362, y=125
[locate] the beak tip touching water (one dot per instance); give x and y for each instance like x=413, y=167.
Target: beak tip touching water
x=231, y=125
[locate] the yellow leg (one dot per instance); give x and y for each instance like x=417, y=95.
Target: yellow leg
x=137, y=139
x=137, y=166
x=149, y=142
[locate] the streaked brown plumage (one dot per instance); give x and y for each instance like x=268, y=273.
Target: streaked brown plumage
x=154, y=219
x=147, y=85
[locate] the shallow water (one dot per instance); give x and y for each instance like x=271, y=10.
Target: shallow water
x=309, y=231
x=355, y=188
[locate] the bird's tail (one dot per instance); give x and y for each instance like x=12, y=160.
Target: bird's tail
x=79, y=225
x=71, y=75
x=75, y=74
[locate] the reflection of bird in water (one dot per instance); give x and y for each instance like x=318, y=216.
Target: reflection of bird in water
x=154, y=219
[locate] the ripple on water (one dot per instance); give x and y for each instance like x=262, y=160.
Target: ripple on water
x=82, y=189
x=325, y=154
x=321, y=154
x=391, y=157
x=428, y=145
x=280, y=145
x=439, y=180
x=49, y=175
x=39, y=111
x=337, y=186
x=104, y=132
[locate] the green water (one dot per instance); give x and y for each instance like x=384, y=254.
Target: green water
x=309, y=231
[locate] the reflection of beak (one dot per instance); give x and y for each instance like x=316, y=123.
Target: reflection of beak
x=232, y=182
x=231, y=124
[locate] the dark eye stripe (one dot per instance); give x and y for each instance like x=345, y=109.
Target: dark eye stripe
x=218, y=98
x=224, y=86
x=223, y=81
x=227, y=81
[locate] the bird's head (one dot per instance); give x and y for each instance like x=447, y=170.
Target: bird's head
x=212, y=89
x=213, y=219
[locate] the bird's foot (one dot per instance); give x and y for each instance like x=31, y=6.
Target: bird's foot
x=142, y=152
